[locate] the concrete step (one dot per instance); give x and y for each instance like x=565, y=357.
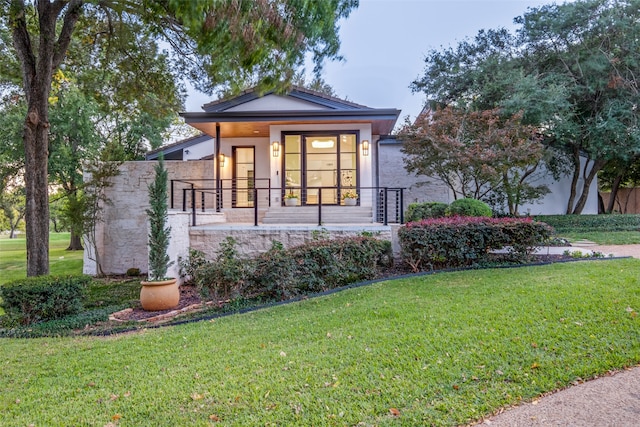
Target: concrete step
x=309, y=215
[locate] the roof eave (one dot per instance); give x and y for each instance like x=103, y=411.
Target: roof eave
x=279, y=116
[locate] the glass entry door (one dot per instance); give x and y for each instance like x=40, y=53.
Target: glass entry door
x=243, y=177
x=314, y=161
x=321, y=169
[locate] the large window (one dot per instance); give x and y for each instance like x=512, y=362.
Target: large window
x=320, y=163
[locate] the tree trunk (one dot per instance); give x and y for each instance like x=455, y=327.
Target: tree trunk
x=36, y=140
x=574, y=180
x=614, y=192
x=582, y=201
x=75, y=242
x=38, y=60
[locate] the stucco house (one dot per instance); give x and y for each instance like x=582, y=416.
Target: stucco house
x=255, y=152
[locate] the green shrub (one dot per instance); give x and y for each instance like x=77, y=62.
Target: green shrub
x=286, y=273
x=226, y=276
x=133, y=272
x=464, y=241
x=418, y=211
x=189, y=266
x=38, y=299
x=585, y=223
x=469, y=207
x=318, y=266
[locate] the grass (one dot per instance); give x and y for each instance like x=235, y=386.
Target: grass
x=605, y=237
x=444, y=349
x=13, y=257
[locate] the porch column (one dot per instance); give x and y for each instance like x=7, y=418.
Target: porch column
x=217, y=163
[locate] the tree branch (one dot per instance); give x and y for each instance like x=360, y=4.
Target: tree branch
x=70, y=19
x=22, y=42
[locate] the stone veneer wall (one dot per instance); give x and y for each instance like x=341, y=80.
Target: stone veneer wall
x=122, y=236
x=252, y=241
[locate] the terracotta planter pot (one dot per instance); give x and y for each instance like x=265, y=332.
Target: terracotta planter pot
x=162, y=295
x=348, y=201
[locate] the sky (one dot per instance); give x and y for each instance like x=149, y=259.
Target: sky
x=384, y=43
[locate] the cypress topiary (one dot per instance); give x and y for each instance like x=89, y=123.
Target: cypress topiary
x=159, y=232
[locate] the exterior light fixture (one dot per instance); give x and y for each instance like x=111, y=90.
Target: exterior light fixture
x=276, y=148
x=222, y=159
x=365, y=147
x=319, y=143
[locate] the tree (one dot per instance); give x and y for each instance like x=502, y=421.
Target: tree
x=616, y=175
x=477, y=154
x=571, y=69
x=213, y=41
x=12, y=204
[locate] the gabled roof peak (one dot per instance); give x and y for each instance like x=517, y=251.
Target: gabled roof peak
x=298, y=92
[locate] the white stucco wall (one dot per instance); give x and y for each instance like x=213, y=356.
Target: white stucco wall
x=198, y=151
x=393, y=174
x=555, y=203
x=277, y=103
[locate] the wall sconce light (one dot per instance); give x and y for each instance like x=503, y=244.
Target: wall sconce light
x=365, y=147
x=222, y=158
x=276, y=148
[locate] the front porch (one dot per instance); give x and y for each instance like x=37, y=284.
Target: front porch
x=250, y=202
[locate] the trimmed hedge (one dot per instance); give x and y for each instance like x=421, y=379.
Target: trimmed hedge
x=39, y=299
x=418, y=211
x=469, y=207
x=466, y=241
x=582, y=223
x=286, y=273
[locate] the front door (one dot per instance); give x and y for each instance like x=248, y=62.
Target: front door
x=243, y=176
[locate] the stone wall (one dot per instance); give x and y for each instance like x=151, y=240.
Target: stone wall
x=121, y=237
x=252, y=241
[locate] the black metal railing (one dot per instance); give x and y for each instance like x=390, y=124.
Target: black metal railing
x=210, y=195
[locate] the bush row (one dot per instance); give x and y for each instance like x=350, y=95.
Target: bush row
x=38, y=299
x=460, y=207
x=582, y=223
x=286, y=273
x=466, y=241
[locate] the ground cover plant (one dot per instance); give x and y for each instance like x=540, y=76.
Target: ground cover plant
x=591, y=223
x=605, y=237
x=442, y=349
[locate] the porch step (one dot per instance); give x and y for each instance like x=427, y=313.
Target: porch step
x=309, y=215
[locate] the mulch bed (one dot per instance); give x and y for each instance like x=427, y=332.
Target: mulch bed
x=190, y=299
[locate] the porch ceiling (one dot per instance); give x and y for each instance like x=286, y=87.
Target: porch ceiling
x=252, y=124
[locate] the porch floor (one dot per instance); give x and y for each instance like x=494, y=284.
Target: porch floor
x=369, y=227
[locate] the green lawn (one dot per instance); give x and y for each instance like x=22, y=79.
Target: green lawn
x=13, y=257
x=605, y=237
x=444, y=349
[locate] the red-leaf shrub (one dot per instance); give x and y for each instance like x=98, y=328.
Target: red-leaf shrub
x=464, y=241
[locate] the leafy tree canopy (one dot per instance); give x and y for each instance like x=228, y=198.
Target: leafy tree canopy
x=210, y=42
x=571, y=68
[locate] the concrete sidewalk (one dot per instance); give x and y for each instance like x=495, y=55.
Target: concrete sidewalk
x=612, y=400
